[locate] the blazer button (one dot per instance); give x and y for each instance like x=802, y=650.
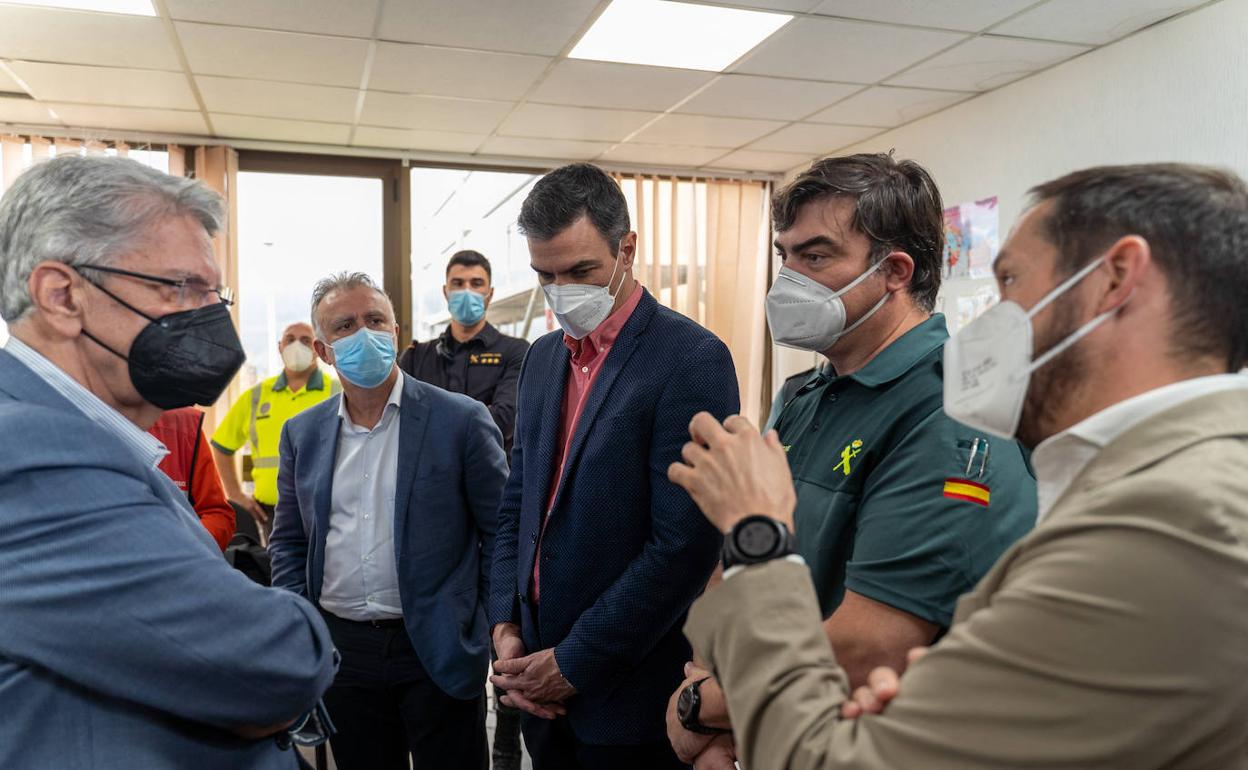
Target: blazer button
x=533, y=539
x=523, y=599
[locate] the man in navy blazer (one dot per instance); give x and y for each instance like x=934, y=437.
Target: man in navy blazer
x=599, y=555
x=126, y=641
x=387, y=497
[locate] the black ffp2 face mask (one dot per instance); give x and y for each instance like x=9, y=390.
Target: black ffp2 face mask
x=182, y=358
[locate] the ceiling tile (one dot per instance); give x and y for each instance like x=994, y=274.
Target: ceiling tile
x=403, y=139
x=549, y=121
x=845, y=51
x=625, y=86
x=131, y=118
x=751, y=96
x=278, y=100
x=24, y=111
x=755, y=160
x=106, y=85
x=329, y=17
x=662, y=155
x=984, y=63
x=813, y=138
x=886, y=106
x=558, y=149
x=432, y=113
x=706, y=131
x=268, y=129
x=77, y=37
x=422, y=69
x=9, y=85
x=1079, y=21
x=264, y=54
x=520, y=26
x=969, y=15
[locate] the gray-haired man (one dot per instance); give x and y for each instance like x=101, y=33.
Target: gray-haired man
x=113, y=651
x=385, y=519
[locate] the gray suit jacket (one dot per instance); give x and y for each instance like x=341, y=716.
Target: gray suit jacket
x=126, y=641
x=1113, y=636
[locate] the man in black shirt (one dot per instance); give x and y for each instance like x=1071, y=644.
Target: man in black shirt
x=471, y=356
x=474, y=358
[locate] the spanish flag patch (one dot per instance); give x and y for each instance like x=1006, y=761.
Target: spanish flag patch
x=961, y=489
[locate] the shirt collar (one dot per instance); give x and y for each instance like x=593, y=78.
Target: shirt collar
x=148, y=448
x=601, y=339
x=315, y=382
x=487, y=337
x=906, y=351
x=395, y=400
x=1060, y=458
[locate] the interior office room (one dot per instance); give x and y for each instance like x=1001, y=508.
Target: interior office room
x=443, y=164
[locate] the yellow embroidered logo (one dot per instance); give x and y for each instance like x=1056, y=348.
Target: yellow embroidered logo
x=848, y=453
x=486, y=359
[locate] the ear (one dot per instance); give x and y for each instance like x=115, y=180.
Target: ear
x=489, y=296
x=446, y=293
x=898, y=271
x=323, y=351
x=1126, y=262
x=57, y=293
x=628, y=250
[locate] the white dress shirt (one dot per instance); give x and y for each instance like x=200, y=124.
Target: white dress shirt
x=361, y=571
x=1059, y=459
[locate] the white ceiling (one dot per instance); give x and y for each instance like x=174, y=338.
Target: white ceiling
x=490, y=78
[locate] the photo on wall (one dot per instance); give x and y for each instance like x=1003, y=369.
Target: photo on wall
x=971, y=239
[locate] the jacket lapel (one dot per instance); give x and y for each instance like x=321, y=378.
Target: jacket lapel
x=617, y=359
x=326, y=440
x=413, y=422
x=550, y=420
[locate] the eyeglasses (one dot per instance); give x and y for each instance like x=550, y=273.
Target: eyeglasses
x=192, y=289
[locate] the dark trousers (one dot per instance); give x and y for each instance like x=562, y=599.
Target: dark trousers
x=386, y=707
x=553, y=746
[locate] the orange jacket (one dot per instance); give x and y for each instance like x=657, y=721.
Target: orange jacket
x=190, y=465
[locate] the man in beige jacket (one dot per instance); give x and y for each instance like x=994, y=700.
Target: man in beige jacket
x=1116, y=634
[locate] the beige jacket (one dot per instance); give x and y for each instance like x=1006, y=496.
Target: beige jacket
x=1113, y=636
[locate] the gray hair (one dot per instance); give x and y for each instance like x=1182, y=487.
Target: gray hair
x=342, y=282
x=88, y=211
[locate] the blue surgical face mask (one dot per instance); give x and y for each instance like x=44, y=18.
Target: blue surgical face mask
x=466, y=306
x=365, y=358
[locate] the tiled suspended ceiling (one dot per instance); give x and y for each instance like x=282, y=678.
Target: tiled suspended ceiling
x=490, y=78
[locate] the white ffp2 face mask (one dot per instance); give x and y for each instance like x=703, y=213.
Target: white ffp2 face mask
x=988, y=364
x=807, y=315
x=297, y=357
x=580, y=308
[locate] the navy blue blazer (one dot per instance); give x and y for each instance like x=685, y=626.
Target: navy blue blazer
x=625, y=551
x=126, y=641
x=450, y=476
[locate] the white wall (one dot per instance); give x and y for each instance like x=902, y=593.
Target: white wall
x=1175, y=92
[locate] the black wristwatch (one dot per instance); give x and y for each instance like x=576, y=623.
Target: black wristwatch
x=757, y=539
x=689, y=704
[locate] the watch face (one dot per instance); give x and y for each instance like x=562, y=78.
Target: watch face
x=684, y=703
x=757, y=538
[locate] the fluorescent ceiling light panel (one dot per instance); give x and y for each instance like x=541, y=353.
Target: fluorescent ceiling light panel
x=661, y=33
x=130, y=7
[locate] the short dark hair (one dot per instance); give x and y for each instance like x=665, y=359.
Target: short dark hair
x=470, y=258
x=1195, y=220
x=568, y=193
x=896, y=205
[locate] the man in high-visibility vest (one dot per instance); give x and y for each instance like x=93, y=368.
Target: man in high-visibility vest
x=257, y=418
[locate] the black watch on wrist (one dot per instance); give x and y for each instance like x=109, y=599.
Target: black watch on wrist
x=757, y=539
x=689, y=705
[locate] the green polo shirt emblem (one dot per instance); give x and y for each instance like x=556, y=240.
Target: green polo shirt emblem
x=848, y=453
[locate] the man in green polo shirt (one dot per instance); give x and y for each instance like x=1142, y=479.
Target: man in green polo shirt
x=900, y=510
x=257, y=418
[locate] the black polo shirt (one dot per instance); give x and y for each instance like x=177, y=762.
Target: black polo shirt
x=895, y=500
x=486, y=367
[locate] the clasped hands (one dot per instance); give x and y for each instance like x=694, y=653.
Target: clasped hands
x=533, y=682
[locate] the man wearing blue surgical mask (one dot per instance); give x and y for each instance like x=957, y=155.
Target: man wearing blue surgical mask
x=471, y=357
x=387, y=499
